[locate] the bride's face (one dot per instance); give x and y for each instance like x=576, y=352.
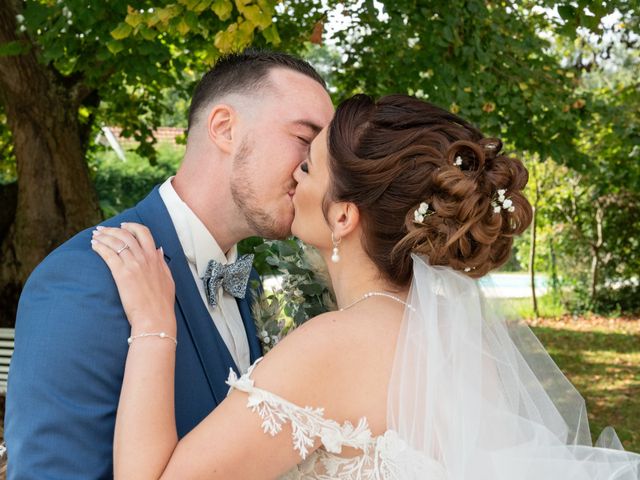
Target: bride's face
x=312, y=176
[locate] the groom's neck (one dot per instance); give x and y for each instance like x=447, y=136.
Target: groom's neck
x=213, y=205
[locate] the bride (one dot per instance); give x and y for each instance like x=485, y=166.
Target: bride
x=415, y=376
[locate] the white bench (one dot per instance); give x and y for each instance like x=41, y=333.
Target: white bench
x=6, y=351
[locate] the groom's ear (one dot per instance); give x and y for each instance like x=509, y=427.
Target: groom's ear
x=346, y=219
x=220, y=123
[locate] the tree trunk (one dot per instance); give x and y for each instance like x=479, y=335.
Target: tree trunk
x=554, y=270
x=55, y=196
x=532, y=252
x=595, y=252
x=532, y=263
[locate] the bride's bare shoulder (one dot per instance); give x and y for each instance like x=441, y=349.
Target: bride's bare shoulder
x=323, y=357
x=309, y=349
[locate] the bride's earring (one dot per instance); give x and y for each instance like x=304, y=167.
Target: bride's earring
x=335, y=256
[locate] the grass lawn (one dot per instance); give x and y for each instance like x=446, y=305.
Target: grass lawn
x=601, y=357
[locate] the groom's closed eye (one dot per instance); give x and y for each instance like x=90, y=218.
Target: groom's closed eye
x=304, y=140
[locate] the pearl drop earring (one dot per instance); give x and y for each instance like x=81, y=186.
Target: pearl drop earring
x=335, y=256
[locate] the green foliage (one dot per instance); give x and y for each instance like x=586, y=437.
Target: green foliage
x=7, y=158
x=548, y=305
x=121, y=184
x=305, y=289
x=304, y=292
x=589, y=212
x=582, y=220
x=209, y=26
x=486, y=60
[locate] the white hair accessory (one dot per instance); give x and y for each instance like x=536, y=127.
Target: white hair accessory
x=502, y=203
x=421, y=212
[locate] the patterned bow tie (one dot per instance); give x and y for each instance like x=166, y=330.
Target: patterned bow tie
x=233, y=277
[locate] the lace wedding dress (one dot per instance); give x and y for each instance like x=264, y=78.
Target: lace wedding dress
x=472, y=396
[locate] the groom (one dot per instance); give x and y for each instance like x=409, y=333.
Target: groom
x=251, y=121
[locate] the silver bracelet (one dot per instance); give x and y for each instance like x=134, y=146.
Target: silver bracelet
x=158, y=334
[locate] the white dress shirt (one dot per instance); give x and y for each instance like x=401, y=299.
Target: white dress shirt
x=199, y=247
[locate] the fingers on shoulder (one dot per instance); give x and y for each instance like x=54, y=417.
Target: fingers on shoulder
x=111, y=258
x=142, y=234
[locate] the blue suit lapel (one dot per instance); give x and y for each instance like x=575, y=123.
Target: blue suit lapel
x=211, y=349
x=244, y=305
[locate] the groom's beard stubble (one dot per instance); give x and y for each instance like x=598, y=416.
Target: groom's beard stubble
x=243, y=193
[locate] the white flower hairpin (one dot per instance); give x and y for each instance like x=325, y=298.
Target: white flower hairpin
x=421, y=212
x=458, y=161
x=502, y=203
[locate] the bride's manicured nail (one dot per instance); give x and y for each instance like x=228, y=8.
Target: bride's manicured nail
x=94, y=242
x=100, y=227
x=95, y=233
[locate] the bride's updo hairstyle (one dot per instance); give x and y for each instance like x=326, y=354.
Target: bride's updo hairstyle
x=427, y=182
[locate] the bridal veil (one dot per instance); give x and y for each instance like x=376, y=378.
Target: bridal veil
x=479, y=398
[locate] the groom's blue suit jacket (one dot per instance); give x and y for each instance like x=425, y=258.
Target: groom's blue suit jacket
x=70, y=350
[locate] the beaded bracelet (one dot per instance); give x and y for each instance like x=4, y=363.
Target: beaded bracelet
x=158, y=334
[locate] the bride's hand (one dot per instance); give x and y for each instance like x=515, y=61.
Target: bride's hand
x=142, y=276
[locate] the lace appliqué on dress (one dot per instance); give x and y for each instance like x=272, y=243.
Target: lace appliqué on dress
x=307, y=423
x=381, y=455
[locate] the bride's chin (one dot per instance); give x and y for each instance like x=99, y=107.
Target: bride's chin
x=294, y=230
x=298, y=231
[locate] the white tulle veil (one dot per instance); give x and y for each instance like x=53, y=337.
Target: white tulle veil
x=478, y=397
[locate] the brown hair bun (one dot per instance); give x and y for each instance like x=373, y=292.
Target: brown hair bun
x=390, y=156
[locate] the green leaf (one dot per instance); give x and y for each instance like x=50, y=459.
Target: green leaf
x=12, y=49
x=260, y=18
x=167, y=13
x=134, y=19
x=312, y=289
x=271, y=35
x=222, y=8
x=244, y=34
x=115, y=46
x=202, y=6
x=274, y=261
x=285, y=250
x=122, y=31
x=191, y=19
x=567, y=12
x=148, y=33
x=190, y=4
x=183, y=27
x=263, y=247
x=225, y=39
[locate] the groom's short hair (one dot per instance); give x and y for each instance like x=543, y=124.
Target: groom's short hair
x=244, y=72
